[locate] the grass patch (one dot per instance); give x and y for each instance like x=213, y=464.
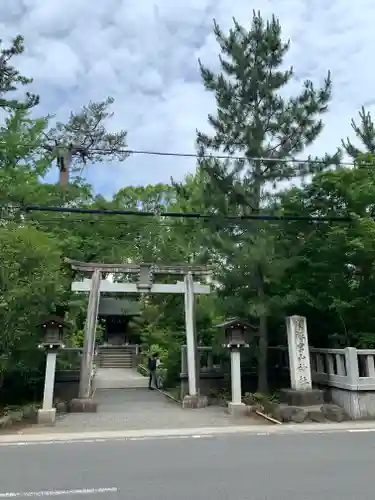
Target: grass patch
x=142, y=370
x=17, y=417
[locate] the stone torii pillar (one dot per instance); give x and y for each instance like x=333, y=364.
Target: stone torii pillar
x=194, y=399
x=191, y=336
x=87, y=361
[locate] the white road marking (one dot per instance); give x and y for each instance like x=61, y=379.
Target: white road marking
x=361, y=430
x=83, y=441
x=57, y=493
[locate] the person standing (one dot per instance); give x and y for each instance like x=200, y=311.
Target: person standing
x=153, y=363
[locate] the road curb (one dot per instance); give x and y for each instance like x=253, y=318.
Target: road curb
x=169, y=396
x=254, y=430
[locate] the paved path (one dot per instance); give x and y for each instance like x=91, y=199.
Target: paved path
x=119, y=378
x=274, y=467
x=135, y=407
x=126, y=403
x=127, y=409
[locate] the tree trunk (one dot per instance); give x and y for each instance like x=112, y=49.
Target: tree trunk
x=263, y=332
x=263, y=341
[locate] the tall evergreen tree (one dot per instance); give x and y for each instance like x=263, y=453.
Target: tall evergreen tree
x=255, y=120
x=11, y=78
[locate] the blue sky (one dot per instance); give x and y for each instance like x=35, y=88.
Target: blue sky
x=144, y=53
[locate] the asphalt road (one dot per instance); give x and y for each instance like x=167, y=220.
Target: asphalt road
x=337, y=466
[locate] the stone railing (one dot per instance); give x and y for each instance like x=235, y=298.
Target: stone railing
x=350, y=368
x=210, y=374
x=206, y=359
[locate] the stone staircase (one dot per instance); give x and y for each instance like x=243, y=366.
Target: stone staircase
x=115, y=357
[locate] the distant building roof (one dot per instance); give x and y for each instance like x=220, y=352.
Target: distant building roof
x=118, y=307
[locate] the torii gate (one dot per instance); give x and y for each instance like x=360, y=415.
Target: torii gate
x=145, y=284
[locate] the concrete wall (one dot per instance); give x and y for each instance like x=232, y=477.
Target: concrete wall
x=359, y=405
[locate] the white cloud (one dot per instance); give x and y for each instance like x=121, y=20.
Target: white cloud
x=145, y=53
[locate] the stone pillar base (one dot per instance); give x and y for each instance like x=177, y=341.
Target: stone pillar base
x=194, y=402
x=309, y=397
x=46, y=417
x=83, y=405
x=237, y=409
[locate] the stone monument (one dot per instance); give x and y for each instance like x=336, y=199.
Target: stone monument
x=301, y=392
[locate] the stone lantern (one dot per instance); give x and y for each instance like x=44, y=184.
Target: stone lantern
x=236, y=334
x=53, y=331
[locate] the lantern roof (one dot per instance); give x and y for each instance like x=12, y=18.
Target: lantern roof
x=236, y=323
x=52, y=321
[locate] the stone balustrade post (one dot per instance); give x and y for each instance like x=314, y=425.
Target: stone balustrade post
x=184, y=368
x=210, y=360
x=352, y=369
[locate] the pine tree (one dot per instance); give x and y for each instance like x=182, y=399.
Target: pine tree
x=255, y=120
x=85, y=138
x=365, y=133
x=11, y=79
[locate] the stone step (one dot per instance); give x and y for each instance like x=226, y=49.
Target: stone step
x=109, y=356
x=116, y=349
x=120, y=357
x=127, y=367
x=116, y=360
x=116, y=353
x=126, y=358
x=116, y=366
x=116, y=357
x=111, y=360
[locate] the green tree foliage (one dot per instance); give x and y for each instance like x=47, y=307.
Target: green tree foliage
x=31, y=284
x=255, y=120
x=333, y=278
x=145, y=237
x=22, y=159
x=11, y=79
x=85, y=138
x=365, y=134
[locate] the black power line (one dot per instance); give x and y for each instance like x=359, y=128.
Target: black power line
x=217, y=156
x=184, y=215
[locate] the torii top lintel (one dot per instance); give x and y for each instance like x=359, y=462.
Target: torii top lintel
x=164, y=269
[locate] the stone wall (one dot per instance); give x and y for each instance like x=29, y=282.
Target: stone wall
x=359, y=405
